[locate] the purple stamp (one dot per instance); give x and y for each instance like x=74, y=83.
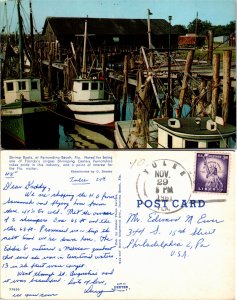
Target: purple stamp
x=211, y=172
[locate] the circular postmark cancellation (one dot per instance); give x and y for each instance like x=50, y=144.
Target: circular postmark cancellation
x=211, y=172
x=165, y=186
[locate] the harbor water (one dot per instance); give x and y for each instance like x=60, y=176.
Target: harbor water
x=79, y=137
x=73, y=135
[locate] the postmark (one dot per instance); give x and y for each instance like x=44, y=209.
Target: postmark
x=211, y=172
x=164, y=186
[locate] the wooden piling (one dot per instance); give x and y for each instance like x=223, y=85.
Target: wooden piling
x=145, y=100
x=227, y=55
x=103, y=64
x=50, y=74
x=125, y=87
x=187, y=70
x=139, y=135
x=216, y=81
x=210, y=46
x=209, y=91
x=132, y=62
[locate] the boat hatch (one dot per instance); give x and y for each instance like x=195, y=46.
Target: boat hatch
x=174, y=123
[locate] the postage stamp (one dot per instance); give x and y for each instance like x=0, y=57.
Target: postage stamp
x=211, y=172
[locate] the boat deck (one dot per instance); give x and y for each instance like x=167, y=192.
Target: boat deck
x=196, y=131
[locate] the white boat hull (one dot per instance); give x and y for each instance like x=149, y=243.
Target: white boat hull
x=187, y=135
x=6, y=112
x=96, y=112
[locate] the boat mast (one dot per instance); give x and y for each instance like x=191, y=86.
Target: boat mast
x=152, y=81
x=168, y=103
x=32, y=38
x=149, y=13
x=84, y=51
x=21, y=54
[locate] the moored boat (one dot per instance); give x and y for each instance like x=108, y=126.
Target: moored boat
x=88, y=102
x=199, y=128
x=193, y=132
x=26, y=117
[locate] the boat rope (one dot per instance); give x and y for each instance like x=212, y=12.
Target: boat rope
x=209, y=115
x=61, y=115
x=110, y=92
x=13, y=13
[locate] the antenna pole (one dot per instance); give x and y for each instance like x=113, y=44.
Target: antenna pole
x=21, y=54
x=149, y=13
x=84, y=51
x=169, y=71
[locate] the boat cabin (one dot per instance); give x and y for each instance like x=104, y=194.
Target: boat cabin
x=194, y=132
x=86, y=89
x=18, y=89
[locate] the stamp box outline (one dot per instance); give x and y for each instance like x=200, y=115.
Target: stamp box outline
x=228, y=172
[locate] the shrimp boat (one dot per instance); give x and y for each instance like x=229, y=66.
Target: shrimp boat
x=191, y=132
x=88, y=102
x=182, y=133
x=26, y=118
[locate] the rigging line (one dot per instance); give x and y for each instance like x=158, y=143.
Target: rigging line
x=206, y=91
x=194, y=105
x=34, y=23
x=213, y=49
x=161, y=85
x=132, y=121
x=190, y=77
x=56, y=113
x=110, y=90
x=189, y=86
x=4, y=19
x=70, y=61
x=26, y=18
x=13, y=12
x=129, y=130
x=91, y=48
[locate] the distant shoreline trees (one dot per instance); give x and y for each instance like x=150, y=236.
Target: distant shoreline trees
x=201, y=27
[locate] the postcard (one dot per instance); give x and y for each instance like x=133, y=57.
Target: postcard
x=117, y=224
x=82, y=221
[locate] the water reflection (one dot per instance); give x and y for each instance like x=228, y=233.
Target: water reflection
x=75, y=137
x=65, y=141
x=92, y=137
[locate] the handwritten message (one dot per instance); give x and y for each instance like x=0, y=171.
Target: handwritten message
x=71, y=223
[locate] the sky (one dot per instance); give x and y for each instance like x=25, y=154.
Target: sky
x=218, y=12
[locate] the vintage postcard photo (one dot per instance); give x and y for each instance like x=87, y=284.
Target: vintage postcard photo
x=118, y=149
